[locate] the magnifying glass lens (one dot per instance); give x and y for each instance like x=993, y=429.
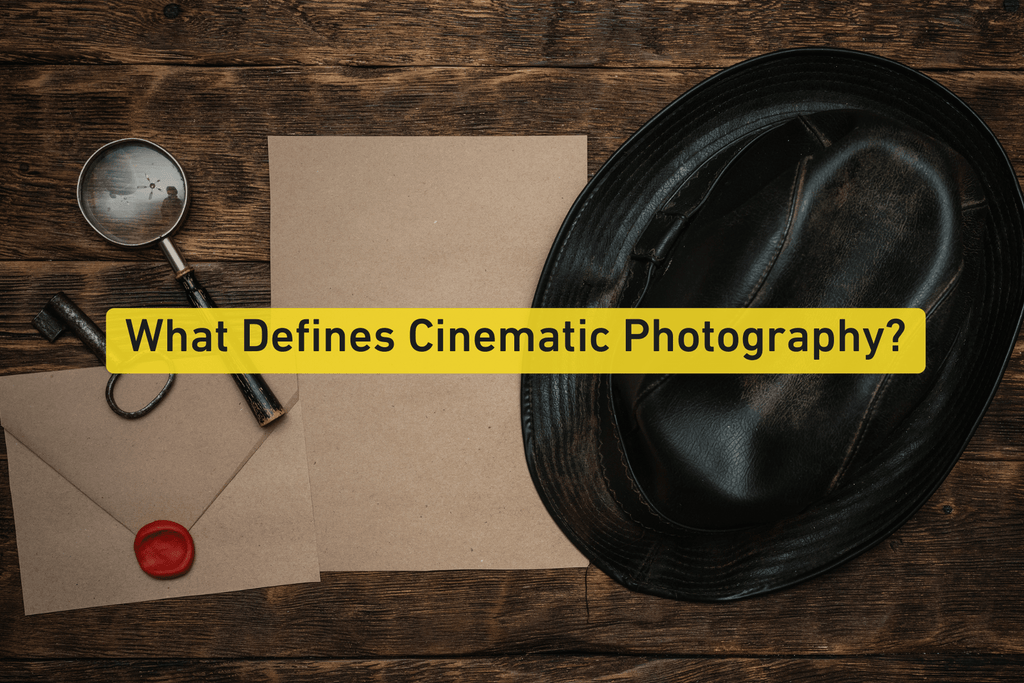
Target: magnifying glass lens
x=132, y=193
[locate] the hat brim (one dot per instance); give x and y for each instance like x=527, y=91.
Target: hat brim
x=568, y=420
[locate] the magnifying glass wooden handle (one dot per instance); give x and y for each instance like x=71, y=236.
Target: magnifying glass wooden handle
x=261, y=399
x=195, y=292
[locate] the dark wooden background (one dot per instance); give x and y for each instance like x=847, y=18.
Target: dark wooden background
x=942, y=599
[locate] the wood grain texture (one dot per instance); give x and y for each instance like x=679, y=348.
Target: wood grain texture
x=539, y=668
x=96, y=286
x=564, y=33
x=63, y=114
x=940, y=585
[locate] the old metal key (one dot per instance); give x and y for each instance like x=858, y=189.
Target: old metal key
x=60, y=315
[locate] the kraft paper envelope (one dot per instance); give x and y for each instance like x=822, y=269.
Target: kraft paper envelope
x=83, y=481
x=420, y=472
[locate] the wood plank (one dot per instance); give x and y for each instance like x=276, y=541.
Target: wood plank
x=501, y=669
x=999, y=434
x=96, y=286
x=63, y=114
x=948, y=583
x=220, y=138
x=655, y=33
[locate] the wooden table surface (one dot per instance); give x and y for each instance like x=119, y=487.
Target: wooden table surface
x=942, y=599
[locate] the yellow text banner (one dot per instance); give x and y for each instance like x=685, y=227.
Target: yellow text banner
x=515, y=340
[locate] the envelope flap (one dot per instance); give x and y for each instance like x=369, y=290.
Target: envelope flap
x=170, y=464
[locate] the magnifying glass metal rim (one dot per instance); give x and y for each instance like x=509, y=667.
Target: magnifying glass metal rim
x=96, y=156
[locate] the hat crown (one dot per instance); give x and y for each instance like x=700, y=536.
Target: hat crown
x=836, y=209
x=681, y=504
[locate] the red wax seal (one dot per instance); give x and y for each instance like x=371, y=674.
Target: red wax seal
x=164, y=549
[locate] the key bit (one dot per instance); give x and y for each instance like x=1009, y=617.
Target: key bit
x=60, y=314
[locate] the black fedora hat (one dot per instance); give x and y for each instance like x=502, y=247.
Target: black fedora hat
x=803, y=178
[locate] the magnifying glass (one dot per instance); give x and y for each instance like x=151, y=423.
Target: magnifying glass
x=134, y=194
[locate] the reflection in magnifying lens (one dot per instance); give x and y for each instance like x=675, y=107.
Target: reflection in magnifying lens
x=133, y=193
